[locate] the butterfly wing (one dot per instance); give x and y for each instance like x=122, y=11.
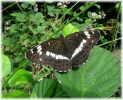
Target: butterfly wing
x=61, y=54
x=51, y=53
x=79, y=45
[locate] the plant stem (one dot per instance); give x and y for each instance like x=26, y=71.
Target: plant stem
x=115, y=30
x=21, y=65
x=109, y=42
x=86, y=8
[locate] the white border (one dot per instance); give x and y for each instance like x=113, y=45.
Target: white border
x=122, y=50
x=61, y=0
x=0, y=50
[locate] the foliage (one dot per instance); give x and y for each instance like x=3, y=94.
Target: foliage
x=32, y=23
x=6, y=68
x=94, y=78
x=43, y=88
x=20, y=78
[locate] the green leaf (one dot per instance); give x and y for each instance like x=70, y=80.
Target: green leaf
x=8, y=42
x=23, y=37
x=16, y=94
x=19, y=57
x=6, y=66
x=57, y=11
x=82, y=8
x=97, y=5
x=99, y=77
x=69, y=29
x=88, y=5
x=43, y=88
x=88, y=21
x=117, y=5
x=37, y=18
x=25, y=5
x=59, y=92
x=51, y=10
x=41, y=29
x=20, y=78
x=85, y=26
x=103, y=39
x=13, y=28
x=89, y=14
x=19, y=17
x=32, y=29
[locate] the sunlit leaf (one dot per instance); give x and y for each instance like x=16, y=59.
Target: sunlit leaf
x=20, y=78
x=68, y=29
x=6, y=66
x=16, y=94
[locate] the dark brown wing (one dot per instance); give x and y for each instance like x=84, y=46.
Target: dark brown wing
x=87, y=39
x=51, y=53
x=73, y=41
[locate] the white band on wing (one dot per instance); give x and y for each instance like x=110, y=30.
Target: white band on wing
x=56, y=56
x=39, y=48
x=78, y=49
x=87, y=34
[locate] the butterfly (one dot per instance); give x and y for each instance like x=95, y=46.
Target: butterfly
x=62, y=54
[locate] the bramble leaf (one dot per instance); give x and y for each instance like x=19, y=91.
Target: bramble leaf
x=99, y=77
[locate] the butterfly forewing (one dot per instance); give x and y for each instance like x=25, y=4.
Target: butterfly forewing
x=82, y=51
x=51, y=53
x=73, y=41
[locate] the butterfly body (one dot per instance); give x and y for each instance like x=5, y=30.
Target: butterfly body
x=64, y=53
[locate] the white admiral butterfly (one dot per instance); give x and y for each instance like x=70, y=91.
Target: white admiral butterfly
x=62, y=54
